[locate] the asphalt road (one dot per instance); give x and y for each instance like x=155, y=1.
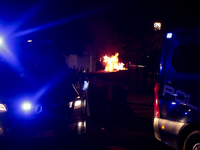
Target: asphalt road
x=131, y=132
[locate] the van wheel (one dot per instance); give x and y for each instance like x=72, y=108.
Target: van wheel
x=192, y=142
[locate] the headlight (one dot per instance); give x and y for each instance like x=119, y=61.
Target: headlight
x=3, y=108
x=80, y=124
x=77, y=104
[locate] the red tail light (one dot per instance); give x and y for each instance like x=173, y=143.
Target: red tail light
x=156, y=100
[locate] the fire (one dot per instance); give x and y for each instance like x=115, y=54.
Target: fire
x=112, y=63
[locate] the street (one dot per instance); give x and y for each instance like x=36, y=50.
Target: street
x=135, y=133
x=89, y=74
x=131, y=132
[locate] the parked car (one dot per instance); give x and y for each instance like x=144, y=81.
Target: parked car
x=37, y=98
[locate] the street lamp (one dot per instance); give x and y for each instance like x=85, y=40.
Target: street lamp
x=157, y=26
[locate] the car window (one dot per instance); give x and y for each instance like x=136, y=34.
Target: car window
x=185, y=58
x=183, y=61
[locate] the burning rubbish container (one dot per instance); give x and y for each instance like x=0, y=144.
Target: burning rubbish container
x=106, y=93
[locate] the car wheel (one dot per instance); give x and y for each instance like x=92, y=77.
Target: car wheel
x=192, y=142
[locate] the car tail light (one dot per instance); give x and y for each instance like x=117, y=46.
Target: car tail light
x=156, y=100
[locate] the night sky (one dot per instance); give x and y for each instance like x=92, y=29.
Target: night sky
x=76, y=23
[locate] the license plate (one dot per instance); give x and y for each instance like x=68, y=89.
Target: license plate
x=36, y=134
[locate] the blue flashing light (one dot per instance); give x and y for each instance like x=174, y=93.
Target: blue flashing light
x=186, y=113
x=169, y=35
x=173, y=103
x=29, y=41
x=26, y=106
x=65, y=20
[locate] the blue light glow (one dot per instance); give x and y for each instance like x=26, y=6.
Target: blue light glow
x=65, y=20
x=38, y=109
x=41, y=92
x=160, y=67
x=186, y=113
x=10, y=58
x=169, y=35
x=173, y=103
x=27, y=15
x=85, y=85
x=26, y=106
x=1, y=41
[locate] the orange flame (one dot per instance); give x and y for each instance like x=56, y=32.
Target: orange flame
x=112, y=63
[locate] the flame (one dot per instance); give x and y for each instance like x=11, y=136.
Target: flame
x=112, y=63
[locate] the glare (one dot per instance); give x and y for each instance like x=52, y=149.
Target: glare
x=1, y=41
x=173, y=103
x=9, y=57
x=157, y=26
x=64, y=20
x=80, y=124
x=26, y=106
x=160, y=67
x=169, y=35
x=38, y=109
x=85, y=85
x=77, y=103
x=2, y=108
x=29, y=41
x=141, y=66
x=163, y=127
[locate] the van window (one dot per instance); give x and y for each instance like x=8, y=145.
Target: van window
x=182, y=62
x=186, y=58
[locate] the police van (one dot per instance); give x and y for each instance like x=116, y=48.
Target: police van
x=176, y=94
